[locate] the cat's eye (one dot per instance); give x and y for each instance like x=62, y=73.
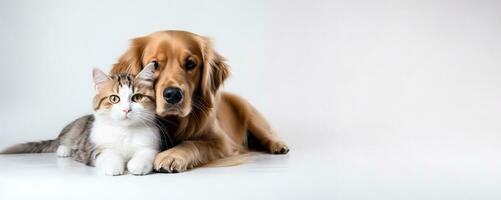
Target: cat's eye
x=114, y=99
x=190, y=64
x=137, y=97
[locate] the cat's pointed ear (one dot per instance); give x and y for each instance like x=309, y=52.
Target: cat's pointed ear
x=148, y=73
x=100, y=78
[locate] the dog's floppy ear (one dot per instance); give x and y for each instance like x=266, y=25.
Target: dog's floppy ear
x=214, y=71
x=131, y=60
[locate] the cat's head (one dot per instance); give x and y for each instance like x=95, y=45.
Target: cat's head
x=123, y=98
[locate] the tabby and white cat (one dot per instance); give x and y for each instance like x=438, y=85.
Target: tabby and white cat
x=120, y=134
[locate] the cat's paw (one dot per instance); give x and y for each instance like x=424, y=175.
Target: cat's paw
x=138, y=166
x=63, y=151
x=111, y=168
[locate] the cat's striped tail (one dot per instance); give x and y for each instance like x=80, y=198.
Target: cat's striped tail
x=44, y=146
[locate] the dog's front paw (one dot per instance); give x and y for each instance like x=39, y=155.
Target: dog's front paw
x=171, y=162
x=278, y=147
x=139, y=166
x=110, y=168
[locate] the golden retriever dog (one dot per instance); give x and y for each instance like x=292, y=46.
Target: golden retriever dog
x=204, y=123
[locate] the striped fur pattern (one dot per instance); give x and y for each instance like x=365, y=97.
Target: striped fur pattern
x=122, y=128
x=138, y=86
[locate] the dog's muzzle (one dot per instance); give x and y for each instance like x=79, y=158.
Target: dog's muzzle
x=173, y=95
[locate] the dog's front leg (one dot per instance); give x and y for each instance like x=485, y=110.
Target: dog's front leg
x=191, y=153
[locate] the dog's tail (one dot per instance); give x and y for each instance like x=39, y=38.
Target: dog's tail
x=234, y=160
x=45, y=146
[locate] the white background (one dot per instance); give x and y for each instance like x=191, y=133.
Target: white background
x=404, y=96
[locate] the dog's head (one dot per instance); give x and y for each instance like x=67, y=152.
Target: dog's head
x=188, y=70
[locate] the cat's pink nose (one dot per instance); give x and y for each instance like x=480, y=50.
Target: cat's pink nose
x=127, y=110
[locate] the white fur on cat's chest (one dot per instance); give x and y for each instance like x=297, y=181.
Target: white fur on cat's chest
x=124, y=140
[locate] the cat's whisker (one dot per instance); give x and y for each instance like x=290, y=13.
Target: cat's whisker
x=148, y=119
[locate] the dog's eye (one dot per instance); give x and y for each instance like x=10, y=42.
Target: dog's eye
x=114, y=99
x=155, y=63
x=190, y=64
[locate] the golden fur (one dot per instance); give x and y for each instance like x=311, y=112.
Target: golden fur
x=208, y=124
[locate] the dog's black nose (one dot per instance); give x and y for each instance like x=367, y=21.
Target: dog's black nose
x=173, y=95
